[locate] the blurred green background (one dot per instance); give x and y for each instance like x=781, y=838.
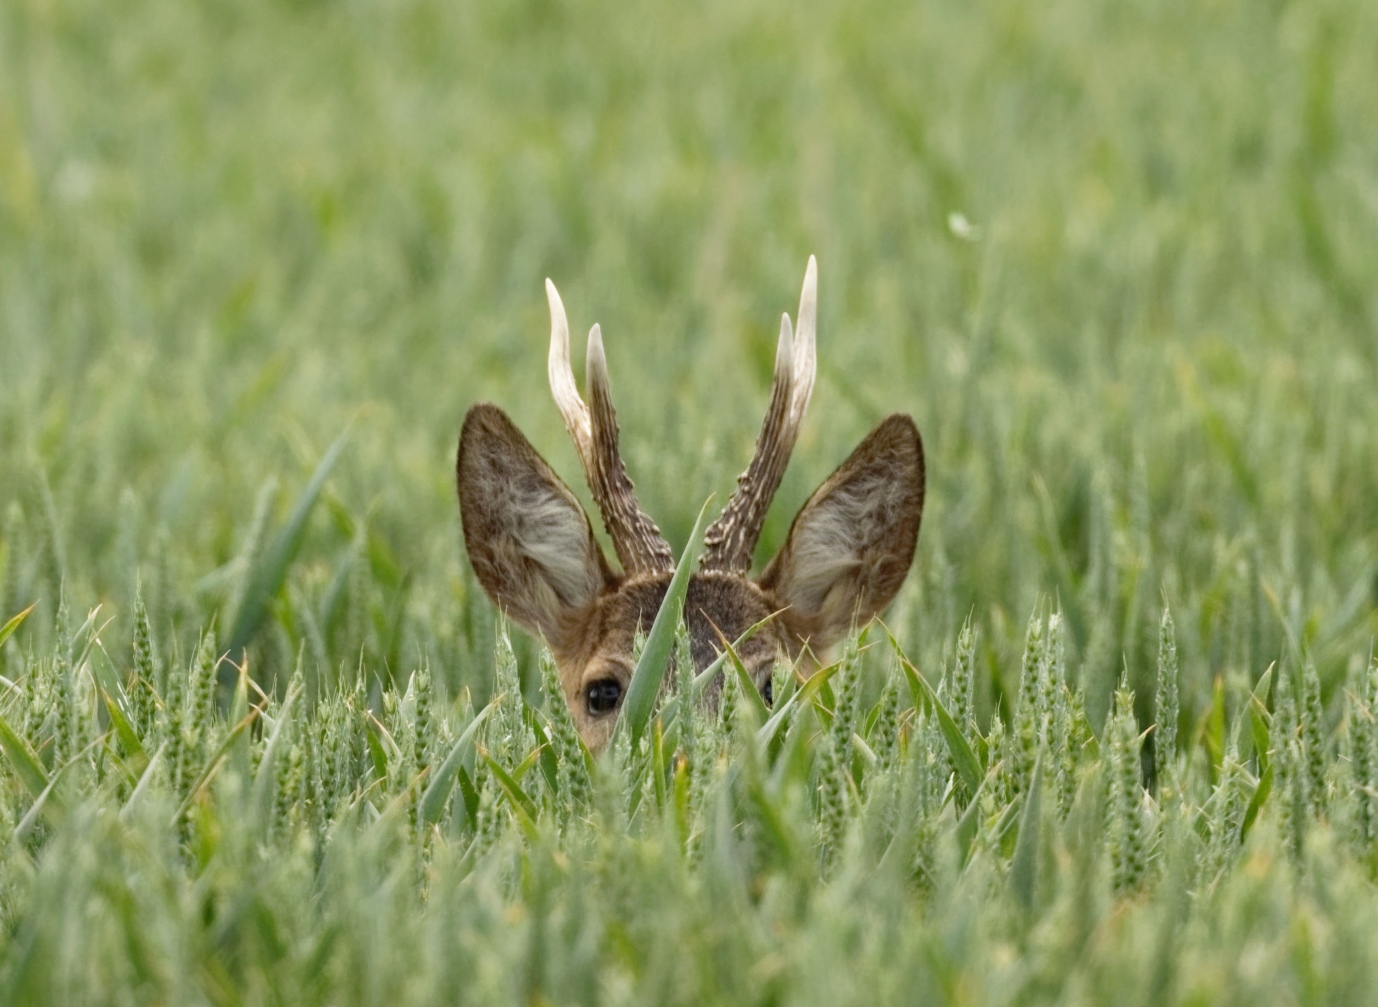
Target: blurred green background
x=1116, y=258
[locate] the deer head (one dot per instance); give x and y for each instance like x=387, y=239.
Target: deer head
x=533, y=548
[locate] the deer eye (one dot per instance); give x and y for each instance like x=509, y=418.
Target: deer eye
x=602, y=695
x=768, y=693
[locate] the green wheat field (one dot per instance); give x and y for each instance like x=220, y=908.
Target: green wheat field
x=264, y=741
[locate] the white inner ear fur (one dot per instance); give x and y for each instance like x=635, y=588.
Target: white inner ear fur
x=554, y=537
x=833, y=543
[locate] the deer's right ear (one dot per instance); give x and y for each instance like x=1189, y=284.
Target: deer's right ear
x=530, y=543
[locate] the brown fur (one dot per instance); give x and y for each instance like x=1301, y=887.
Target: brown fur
x=846, y=556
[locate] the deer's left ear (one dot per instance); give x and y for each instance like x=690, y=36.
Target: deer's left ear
x=851, y=545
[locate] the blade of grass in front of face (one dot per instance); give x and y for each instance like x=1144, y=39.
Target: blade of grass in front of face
x=688, y=697
x=747, y=687
x=655, y=655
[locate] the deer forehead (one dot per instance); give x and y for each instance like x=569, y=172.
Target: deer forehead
x=714, y=602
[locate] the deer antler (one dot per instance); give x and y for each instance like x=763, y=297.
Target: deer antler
x=728, y=544
x=640, y=547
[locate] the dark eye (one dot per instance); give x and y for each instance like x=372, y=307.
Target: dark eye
x=602, y=695
x=768, y=693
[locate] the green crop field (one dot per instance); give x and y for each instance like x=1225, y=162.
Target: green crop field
x=1115, y=742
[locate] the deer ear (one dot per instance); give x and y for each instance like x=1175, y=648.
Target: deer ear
x=851, y=545
x=530, y=543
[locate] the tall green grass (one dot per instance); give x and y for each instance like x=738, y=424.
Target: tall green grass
x=864, y=838
x=1117, y=259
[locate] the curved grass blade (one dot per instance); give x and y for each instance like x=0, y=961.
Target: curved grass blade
x=218, y=758
x=1260, y=795
x=26, y=765
x=113, y=693
x=266, y=778
x=142, y=786
x=868, y=755
x=1007, y=821
x=962, y=756
x=813, y=685
x=655, y=655
x=774, y=830
x=7, y=630
x=529, y=763
x=522, y=805
x=129, y=740
x=47, y=796
x=268, y=576
x=778, y=715
x=699, y=682
x=747, y=687
x=376, y=749
x=31, y=816
x=443, y=780
x=468, y=794
x=89, y=636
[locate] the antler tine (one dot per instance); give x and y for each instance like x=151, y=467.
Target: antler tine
x=728, y=544
x=639, y=544
x=806, y=353
x=561, y=374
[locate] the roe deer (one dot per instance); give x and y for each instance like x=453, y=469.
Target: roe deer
x=533, y=548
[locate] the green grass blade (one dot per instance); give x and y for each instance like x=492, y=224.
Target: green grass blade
x=26, y=824
x=213, y=764
x=1260, y=721
x=1260, y=795
x=267, y=578
x=123, y=729
x=1214, y=733
x=778, y=716
x=522, y=805
x=443, y=780
x=47, y=797
x=468, y=794
x=145, y=781
x=962, y=756
x=266, y=779
x=532, y=760
x=749, y=693
x=26, y=765
x=7, y=630
x=1024, y=864
x=774, y=831
x=655, y=655
x=691, y=695
x=966, y=825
